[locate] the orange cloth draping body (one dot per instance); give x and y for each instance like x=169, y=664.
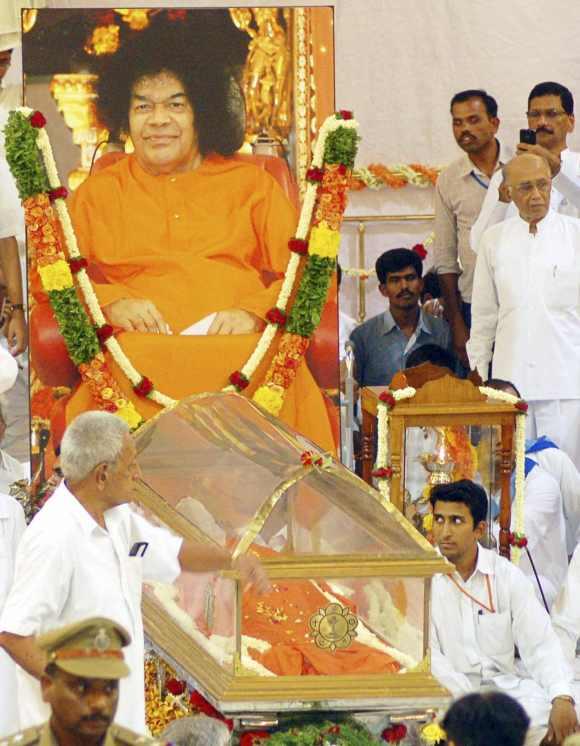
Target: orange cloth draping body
x=192, y=243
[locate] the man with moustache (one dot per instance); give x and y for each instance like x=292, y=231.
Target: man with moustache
x=551, y=114
x=459, y=194
x=80, y=683
x=382, y=343
x=526, y=305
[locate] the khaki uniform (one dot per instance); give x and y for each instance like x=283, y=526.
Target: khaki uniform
x=91, y=648
x=43, y=736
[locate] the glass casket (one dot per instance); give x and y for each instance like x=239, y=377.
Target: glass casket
x=346, y=622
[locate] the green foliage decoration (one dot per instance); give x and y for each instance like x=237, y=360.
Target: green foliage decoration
x=79, y=334
x=23, y=156
x=307, y=309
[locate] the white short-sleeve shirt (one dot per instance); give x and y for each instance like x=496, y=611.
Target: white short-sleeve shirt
x=69, y=568
x=12, y=525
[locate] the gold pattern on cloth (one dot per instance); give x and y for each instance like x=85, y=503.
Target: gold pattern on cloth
x=334, y=627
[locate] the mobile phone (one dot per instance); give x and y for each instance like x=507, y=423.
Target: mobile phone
x=528, y=136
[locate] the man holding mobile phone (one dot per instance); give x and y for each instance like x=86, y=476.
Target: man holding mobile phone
x=551, y=117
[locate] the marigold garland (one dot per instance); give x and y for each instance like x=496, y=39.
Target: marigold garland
x=378, y=176
x=324, y=205
x=56, y=276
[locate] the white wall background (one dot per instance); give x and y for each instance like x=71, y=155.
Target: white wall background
x=398, y=62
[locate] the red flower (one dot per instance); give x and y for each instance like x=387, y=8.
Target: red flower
x=521, y=406
x=523, y=542
x=202, y=705
x=144, y=387
x=291, y=363
x=276, y=316
x=37, y=119
x=77, y=263
x=298, y=245
x=387, y=398
x=420, y=250
x=57, y=193
x=177, y=15
x=315, y=174
x=239, y=380
x=308, y=458
x=383, y=473
x=175, y=687
x=517, y=540
x=106, y=19
x=110, y=406
x=395, y=733
x=334, y=729
x=103, y=333
x=344, y=114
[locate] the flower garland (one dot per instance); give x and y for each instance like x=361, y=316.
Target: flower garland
x=377, y=176
x=325, y=201
x=82, y=339
x=383, y=472
x=318, y=238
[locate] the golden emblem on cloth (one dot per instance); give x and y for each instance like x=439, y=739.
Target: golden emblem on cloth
x=333, y=627
x=102, y=640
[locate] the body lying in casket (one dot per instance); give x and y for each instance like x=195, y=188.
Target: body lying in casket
x=346, y=620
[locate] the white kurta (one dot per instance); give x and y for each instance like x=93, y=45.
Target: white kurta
x=526, y=301
x=566, y=610
x=12, y=525
x=546, y=533
x=11, y=470
x=559, y=465
x=69, y=568
x=471, y=647
x=565, y=198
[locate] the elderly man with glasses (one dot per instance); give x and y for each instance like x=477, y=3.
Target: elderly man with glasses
x=526, y=305
x=551, y=115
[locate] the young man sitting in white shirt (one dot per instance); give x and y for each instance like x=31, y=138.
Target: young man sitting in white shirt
x=487, y=608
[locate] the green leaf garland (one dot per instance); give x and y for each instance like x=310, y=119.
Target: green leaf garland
x=341, y=146
x=23, y=156
x=311, y=297
x=345, y=732
x=79, y=334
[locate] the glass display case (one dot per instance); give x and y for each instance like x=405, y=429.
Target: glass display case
x=448, y=430
x=345, y=624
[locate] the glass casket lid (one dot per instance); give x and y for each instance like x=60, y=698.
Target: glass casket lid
x=237, y=476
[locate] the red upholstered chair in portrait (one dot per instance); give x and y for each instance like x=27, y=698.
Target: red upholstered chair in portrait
x=54, y=367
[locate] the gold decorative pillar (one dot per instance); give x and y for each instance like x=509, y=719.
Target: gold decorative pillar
x=75, y=98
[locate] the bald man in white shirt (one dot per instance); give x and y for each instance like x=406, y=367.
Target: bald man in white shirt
x=526, y=306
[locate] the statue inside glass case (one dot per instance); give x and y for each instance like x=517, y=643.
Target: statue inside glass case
x=350, y=577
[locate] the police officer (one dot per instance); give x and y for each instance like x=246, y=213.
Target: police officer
x=81, y=685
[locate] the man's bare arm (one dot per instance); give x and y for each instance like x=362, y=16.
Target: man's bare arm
x=25, y=652
x=15, y=331
x=197, y=557
x=454, y=315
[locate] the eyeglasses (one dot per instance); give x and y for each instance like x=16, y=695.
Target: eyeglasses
x=526, y=187
x=548, y=113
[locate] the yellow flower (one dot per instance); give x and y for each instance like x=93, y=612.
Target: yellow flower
x=130, y=415
x=432, y=734
x=56, y=276
x=270, y=398
x=428, y=522
x=324, y=241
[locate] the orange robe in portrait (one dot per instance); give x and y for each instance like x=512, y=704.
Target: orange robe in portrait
x=193, y=243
